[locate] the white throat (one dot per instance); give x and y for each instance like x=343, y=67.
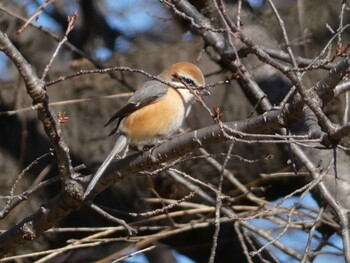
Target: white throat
x=186, y=95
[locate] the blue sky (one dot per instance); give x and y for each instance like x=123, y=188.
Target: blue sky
x=297, y=239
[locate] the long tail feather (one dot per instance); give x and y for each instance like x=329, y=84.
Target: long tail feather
x=119, y=146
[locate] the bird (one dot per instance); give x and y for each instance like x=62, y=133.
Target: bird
x=155, y=111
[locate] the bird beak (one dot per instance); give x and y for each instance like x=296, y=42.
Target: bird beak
x=205, y=91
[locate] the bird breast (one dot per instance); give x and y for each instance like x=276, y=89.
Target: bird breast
x=159, y=119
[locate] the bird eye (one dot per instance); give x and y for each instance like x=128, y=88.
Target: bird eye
x=189, y=81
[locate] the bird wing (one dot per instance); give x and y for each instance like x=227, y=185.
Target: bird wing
x=148, y=93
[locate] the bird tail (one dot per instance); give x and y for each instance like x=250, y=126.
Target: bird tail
x=119, y=146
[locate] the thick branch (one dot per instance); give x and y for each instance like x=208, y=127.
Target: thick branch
x=185, y=144
x=43, y=219
x=35, y=225
x=37, y=91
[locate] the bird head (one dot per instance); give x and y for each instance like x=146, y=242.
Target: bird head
x=186, y=75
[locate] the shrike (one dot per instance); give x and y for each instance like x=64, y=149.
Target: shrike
x=155, y=111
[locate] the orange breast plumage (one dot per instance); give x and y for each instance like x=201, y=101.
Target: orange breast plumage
x=160, y=119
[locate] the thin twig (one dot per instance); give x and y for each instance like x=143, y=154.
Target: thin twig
x=311, y=234
x=65, y=102
x=242, y=242
x=9, y=203
x=73, y=48
x=134, y=253
x=71, y=21
x=119, y=221
x=218, y=207
x=35, y=15
x=48, y=252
